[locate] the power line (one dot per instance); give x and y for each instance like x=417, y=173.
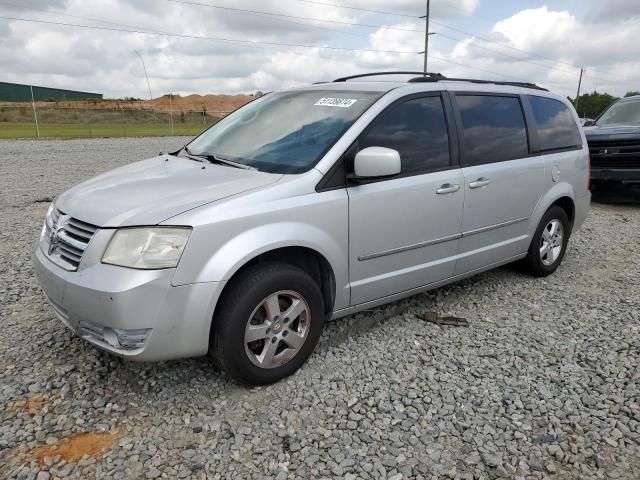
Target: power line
x=412, y=30
x=624, y=82
x=249, y=42
x=202, y=37
x=502, y=44
x=385, y=12
x=359, y=9
x=284, y=15
x=520, y=59
x=56, y=12
x=365, y=25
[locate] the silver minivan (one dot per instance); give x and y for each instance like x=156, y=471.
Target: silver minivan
x=313, y=203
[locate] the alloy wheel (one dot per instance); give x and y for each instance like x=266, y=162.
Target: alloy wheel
x=277, y=329
x=552, y=242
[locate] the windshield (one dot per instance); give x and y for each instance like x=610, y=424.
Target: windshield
x=285, y=132
x=622, y=113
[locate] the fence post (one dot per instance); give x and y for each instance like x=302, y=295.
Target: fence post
x=35, y=114
x=171, y=112
x=124, y=122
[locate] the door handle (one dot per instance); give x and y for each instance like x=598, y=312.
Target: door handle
x=479, y=183
x=447, y=188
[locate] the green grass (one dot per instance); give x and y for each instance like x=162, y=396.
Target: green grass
x=84, y=130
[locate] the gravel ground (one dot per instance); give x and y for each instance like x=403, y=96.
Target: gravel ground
x=544, y=383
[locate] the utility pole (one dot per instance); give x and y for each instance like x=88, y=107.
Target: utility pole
x=579, y=87
x=427, y=34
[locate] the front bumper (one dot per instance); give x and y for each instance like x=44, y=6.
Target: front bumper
x=623, y=175
x=156, y=320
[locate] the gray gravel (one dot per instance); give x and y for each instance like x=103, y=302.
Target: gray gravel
x=544, y=383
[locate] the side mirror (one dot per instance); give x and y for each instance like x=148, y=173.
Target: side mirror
x=589, y=123
x=376, y=162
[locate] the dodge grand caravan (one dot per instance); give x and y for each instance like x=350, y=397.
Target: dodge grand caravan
x=313, y=203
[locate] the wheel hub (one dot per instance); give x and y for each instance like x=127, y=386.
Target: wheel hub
x=277, y=329
x=552, y=242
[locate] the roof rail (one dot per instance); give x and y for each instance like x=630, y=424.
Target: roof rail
x=532, y=86
x=429, y=77
x=437, y=77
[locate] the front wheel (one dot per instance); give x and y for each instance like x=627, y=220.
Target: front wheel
x=549, y=243
x=269, y=321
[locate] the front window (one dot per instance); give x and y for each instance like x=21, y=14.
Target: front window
x=626, y=112
x=285, y=132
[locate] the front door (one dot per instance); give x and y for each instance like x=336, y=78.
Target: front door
x=404, y=231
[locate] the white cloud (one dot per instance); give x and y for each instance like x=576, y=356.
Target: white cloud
x=105, y=61
x=548, y=47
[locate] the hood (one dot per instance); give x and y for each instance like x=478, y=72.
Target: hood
x=151, y=191
x=612, y=132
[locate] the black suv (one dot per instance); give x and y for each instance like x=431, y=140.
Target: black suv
x=614, y=144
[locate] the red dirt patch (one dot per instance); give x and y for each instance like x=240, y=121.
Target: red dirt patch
x=75, y=447
x=32, y=405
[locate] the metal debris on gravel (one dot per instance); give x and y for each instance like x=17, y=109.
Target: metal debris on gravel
x=544, y=383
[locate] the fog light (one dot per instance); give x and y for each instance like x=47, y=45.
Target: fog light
x=116, y=337
x=127, y=339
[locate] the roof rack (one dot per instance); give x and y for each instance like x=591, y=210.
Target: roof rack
x=429, y=77
x=437, y=77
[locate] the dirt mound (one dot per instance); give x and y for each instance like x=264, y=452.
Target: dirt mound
x=213, y=104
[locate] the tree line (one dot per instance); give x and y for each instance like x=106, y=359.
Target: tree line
x=590, y=105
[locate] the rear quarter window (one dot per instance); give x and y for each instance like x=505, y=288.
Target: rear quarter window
x=555, y=126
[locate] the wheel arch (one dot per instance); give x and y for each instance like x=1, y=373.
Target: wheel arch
x=307, y=259
x=560, y=194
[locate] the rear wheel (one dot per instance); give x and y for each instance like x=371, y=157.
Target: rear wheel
x=549, y=243
x=269, y=321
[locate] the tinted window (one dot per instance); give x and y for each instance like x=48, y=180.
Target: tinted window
x=493, y=129
x=417, y=129
x=556, y=127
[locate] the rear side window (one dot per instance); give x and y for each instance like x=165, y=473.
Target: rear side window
x=493, y=129
x=555, y=126
x=417, y=129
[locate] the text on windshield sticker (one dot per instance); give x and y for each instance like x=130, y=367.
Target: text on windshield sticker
x=335, y=102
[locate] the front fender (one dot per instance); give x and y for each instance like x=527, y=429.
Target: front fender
x=240, y=249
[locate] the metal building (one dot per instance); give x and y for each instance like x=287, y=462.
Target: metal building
x=15, y=92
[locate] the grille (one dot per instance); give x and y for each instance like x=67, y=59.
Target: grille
x=615, y=154
x=66, y=239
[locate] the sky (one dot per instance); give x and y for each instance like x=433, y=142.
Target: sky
x=217, y=46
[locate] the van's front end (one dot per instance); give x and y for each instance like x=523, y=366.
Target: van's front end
x=107, y=258
x=113, y=287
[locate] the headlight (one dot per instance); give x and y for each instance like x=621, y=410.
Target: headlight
x=147, y=248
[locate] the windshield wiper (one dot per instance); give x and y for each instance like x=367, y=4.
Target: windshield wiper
x=225, y=161
x=213, y=158
x=193, y=156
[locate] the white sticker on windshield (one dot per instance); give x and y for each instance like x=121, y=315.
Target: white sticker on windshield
x=335, y=102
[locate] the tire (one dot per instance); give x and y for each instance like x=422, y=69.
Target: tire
x=248, y=308
x=538, y=264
